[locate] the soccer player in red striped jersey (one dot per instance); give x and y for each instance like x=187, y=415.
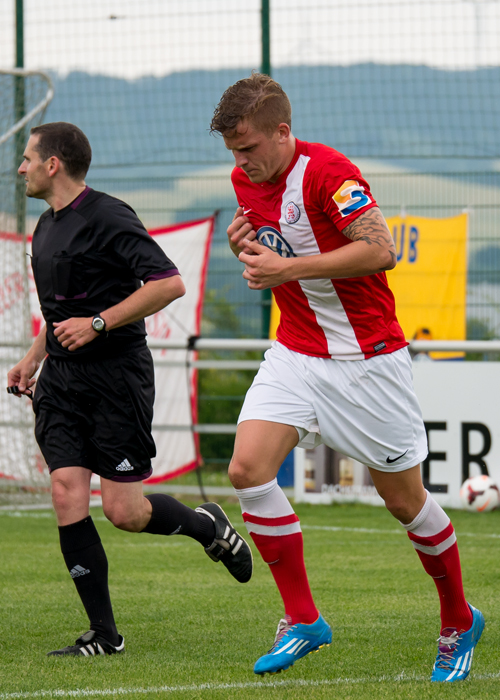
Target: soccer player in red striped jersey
x=308, y=227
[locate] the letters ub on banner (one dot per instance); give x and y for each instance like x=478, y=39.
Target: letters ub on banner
x=188, y=245
x=429, y=280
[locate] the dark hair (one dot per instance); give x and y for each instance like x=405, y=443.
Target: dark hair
x=258, y=98
x=68, y=143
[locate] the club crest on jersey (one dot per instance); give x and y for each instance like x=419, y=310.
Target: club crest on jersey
x=270, y=237
x=350, y=197
x=292, y=213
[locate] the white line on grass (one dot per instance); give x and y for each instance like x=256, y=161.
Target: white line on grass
x=18, y=509
x=398, y=531
x=89, y=692
x=369, y=530
x=325, y=528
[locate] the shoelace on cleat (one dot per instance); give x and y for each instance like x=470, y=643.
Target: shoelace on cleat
x=283, y=628
x=446, y=648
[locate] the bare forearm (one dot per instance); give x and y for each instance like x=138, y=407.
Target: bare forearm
x=371, y=229
x=355, y=260
x=21, y=376
x=147, y=300
x=372, y=250
x=37, y=351
x=73, y=333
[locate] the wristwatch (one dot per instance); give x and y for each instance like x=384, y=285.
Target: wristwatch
x=98, y=324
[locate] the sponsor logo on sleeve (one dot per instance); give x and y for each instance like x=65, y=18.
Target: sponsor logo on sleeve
x=292, y=213
x=350, y=197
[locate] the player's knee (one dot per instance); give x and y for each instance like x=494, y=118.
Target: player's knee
x=240, y=474
x=400, y=508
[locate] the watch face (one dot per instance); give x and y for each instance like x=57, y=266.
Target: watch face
x=98, y=324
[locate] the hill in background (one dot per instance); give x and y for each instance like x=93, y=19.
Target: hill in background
x=369, y=110
x=152, y=146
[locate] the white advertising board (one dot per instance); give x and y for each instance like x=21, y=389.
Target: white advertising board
x=460, y=404
x=461, y=407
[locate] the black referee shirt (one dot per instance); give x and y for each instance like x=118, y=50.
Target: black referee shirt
x=87, y=257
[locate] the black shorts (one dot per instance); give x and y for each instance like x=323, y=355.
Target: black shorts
x=97, y=415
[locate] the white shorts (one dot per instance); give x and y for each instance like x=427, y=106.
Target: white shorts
x=365, y=409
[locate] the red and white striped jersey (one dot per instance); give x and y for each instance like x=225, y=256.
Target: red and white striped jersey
x=304, y=213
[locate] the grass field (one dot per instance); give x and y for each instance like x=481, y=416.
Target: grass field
x=192, y=632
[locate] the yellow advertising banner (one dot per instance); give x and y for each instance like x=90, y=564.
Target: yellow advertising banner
x=429, y=281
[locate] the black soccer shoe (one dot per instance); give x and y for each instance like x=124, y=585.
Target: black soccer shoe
x=228, y=547
x=90, y=644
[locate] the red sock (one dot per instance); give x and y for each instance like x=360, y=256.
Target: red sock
x=285, y=555
x=444, y=567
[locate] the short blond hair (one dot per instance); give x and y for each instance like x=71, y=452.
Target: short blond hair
x=259, y=98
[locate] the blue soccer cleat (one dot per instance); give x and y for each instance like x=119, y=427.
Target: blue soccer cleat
x=292, y=643
x=455, y=651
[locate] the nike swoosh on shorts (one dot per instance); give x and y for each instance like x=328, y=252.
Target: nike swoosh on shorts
x=390, y=461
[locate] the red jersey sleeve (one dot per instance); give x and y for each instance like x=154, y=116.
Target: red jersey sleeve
x=340, y=191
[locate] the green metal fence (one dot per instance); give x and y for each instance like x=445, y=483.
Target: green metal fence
x=409, y=89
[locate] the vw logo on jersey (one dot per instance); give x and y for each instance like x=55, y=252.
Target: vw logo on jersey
x=292, y=213
x=270, y=237
x=350, y=197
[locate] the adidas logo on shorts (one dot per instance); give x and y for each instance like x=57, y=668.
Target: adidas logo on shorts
x=124, y=466
x=78, y=571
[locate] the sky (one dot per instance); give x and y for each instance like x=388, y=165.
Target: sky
x=132, y=38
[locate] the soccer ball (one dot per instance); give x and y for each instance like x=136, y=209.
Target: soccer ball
x=479, y=494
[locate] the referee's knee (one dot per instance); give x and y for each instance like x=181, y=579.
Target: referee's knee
x=69, y=498
x=123, y=518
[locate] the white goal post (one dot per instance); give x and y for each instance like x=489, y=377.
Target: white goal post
x=36, y=112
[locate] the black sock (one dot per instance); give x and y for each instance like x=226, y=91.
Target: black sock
x=87, y=563
x=169, y=517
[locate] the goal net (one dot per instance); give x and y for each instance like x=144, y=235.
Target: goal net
x=24, y=95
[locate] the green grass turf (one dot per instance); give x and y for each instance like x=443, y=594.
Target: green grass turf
x=190, y=629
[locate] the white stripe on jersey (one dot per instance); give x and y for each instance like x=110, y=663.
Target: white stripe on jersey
x=321, y=295
x=300, y=235
x=330, y=315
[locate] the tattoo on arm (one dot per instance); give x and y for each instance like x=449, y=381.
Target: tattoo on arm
x=371, y=228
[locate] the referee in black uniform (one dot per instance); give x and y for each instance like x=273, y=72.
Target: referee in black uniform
x=94, y=397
